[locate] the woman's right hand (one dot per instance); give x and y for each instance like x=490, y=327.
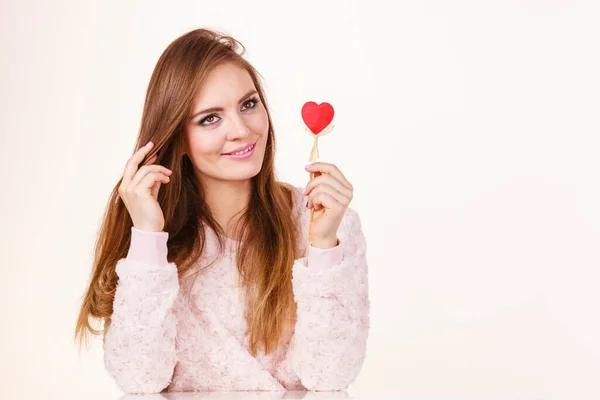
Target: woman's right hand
x=139, y=191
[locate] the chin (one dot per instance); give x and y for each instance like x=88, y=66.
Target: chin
x=244, y=173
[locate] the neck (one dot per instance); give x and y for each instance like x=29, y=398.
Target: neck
x=226, y=199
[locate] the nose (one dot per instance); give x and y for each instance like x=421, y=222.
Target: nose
x=239, y=129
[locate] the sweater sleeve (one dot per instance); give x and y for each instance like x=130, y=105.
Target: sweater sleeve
x=139, y=338
x=331, y=292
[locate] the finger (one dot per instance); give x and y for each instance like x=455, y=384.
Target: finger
x=331, y=181
x=152, y=159
x=327, y=201
x=155, y=189
x=147, y=184
x=147, y=169
x=330, y=169
x=132, y=164
x=331, y=191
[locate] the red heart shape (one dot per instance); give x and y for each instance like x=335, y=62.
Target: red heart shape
x=317, y=116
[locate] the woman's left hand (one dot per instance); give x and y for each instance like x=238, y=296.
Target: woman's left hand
x=329, y=195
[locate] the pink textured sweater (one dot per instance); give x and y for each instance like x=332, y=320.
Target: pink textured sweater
x=158, y=339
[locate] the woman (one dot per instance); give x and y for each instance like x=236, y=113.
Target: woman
x=200, y=273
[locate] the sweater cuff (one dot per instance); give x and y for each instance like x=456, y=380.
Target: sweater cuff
x=148, y=247
x=324, y=258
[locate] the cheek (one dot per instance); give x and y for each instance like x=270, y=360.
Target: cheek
x=259, y=122
x=203, y=145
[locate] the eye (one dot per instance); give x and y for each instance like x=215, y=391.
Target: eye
x=250, y=103
x=208, y=120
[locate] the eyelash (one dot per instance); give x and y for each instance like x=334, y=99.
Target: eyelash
x=255, y=100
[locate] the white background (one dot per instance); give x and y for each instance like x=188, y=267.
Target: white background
x=470, y=130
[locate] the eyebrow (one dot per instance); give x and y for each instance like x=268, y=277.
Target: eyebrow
x=215, y=109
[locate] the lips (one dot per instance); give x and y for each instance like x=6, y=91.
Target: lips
x=242, y=148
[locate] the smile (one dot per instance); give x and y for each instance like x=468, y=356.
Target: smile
x=243, y=153
x=237, y=153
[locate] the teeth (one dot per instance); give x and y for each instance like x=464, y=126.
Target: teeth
x=237, y=153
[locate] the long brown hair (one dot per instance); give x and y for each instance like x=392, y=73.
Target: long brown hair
x=268, y=226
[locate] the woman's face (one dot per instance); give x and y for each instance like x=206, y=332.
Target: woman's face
x=228, y=119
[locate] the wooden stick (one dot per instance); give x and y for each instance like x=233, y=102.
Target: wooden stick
x=310, y=217
x=314, y=156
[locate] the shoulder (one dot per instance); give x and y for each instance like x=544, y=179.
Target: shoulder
x=298, y=198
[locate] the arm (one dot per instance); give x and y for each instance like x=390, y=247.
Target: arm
x=331, y=292
x=139, y=338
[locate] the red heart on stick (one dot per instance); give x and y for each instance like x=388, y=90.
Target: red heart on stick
x=317, y=116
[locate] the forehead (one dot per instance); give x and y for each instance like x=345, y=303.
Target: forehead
x=224, y=84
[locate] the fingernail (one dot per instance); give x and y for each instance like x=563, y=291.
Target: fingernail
x=307, y=166
x=149, y=144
